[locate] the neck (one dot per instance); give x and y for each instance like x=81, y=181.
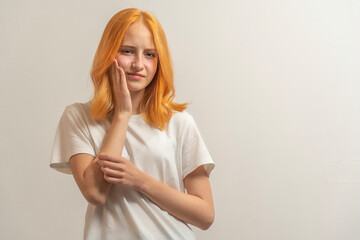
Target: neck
x=135, y=101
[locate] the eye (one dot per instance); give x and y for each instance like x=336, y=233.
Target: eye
x=127, y=51
x=150, y=54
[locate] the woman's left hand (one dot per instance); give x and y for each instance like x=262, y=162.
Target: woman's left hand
x=119, y=170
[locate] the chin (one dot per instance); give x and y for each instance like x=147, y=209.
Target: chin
x=135, y=90
x=136, y=87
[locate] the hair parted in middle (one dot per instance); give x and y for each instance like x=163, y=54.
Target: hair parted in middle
x=157, y=104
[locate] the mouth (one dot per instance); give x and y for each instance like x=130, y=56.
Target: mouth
x=137, y=75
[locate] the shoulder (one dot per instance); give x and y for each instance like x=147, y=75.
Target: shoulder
x=183, y=122
x=78, y=108
x=181, y=118
x=77, y=112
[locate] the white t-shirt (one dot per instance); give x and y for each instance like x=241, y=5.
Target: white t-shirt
x=167, y=155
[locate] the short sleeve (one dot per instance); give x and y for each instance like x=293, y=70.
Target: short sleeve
x=194, y=151
x=72, y=137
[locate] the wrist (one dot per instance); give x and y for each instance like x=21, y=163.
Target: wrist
x=144, y=183
x=121, y=116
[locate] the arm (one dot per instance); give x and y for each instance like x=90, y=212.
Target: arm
x=196, y=207
x=85, y=168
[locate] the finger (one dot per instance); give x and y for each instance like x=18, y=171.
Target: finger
x=111, y=173
x=112, y=180
x=111, y=165
x=116, y=62
x=109, y=157
x=116, y=74
x=121, y=73
x=123, y=82
x=112, y=79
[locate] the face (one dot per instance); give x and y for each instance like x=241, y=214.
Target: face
x=138, y=57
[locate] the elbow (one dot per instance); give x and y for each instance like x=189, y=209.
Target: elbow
x=206, y=224
x=95, y=201
x=95, y=198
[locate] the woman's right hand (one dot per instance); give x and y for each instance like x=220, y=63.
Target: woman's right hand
x=121, y=94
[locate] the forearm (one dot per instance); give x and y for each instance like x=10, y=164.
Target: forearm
x=114, y=139
x=97, y=187
x=189, y=208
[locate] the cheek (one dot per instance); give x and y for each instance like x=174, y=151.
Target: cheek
x=152, y=67
x=123, y=61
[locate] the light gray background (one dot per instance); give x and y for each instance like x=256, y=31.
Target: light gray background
x=273, y=85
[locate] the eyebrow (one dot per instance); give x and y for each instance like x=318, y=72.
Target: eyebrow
x=132, y=47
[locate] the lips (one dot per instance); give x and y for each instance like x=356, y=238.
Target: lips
x=136, y=74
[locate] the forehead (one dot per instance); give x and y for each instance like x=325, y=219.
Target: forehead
x=138, y=35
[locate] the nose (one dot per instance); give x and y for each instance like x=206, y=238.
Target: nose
x=137, y=64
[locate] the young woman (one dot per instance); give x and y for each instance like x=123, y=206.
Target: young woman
x=136, y=155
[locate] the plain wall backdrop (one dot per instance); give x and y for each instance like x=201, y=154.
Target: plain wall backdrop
x=273, y=85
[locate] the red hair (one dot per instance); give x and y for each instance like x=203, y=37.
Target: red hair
x=157, y=104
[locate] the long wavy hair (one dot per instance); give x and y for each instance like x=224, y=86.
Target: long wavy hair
x=157, y=104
